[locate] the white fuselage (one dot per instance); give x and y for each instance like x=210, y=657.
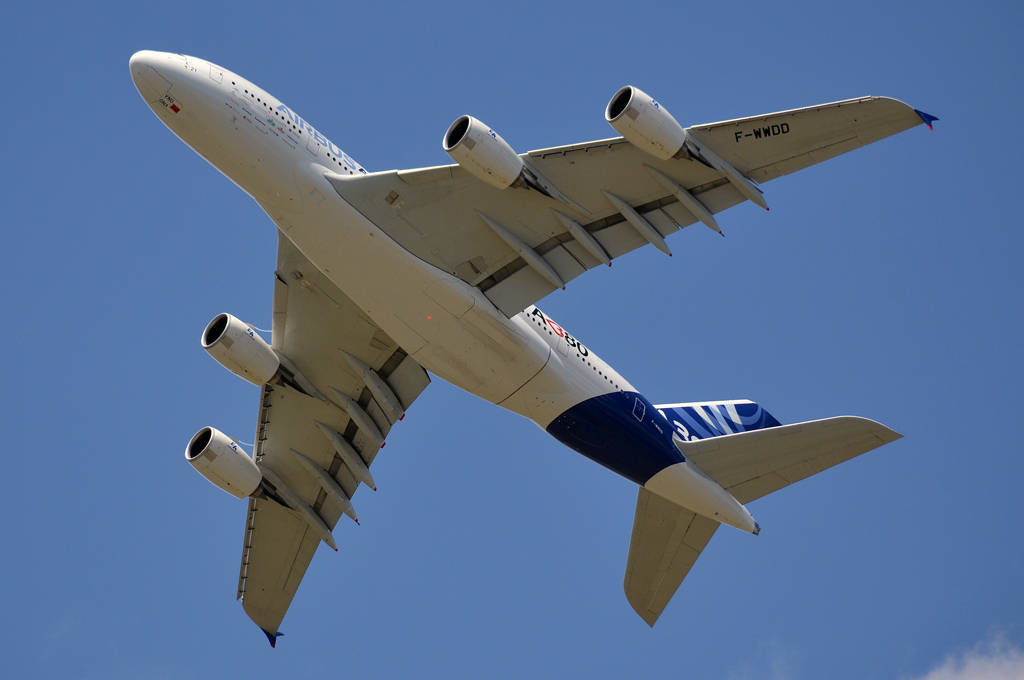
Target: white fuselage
x=526, y=364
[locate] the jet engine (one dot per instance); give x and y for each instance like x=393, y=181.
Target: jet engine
x=223, y=462
x=646, y=123
x=483, y=153
x=240, y=350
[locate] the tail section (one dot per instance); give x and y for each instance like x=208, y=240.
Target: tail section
x=705, y=419
x=749, y=454
x=753, y=464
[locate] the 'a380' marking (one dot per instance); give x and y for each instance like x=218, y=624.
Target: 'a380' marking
x=561, y=332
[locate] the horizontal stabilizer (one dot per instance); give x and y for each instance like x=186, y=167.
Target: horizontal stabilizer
x=753, y=464
x=666, y=541
x=757, y=457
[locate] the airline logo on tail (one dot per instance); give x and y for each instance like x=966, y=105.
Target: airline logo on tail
x=693, y=422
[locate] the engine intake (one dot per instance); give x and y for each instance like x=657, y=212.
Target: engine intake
x=646, y=123
x=215, y=456
x=240, y=350
x=483, y=153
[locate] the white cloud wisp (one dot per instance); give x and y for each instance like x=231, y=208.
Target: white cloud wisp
x=993, y=660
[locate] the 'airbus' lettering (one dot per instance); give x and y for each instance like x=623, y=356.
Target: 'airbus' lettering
x=321, y=138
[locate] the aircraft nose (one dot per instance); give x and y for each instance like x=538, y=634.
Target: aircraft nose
x=143, y=58
x=147, y=79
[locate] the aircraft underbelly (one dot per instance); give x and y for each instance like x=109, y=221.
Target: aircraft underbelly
x=451, y=329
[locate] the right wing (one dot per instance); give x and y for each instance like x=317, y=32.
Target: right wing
x=437, y=213
x=313, y=323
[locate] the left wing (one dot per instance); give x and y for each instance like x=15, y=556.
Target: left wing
x=453, y=220
x=314, y=323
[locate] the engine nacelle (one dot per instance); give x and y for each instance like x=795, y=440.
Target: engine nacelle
x=645, y=123
x=240, y=350
x=223, y=462
x=482, y=152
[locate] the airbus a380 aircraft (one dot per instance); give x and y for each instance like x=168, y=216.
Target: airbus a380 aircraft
x=381, y=275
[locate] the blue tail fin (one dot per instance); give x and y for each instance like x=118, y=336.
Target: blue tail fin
x=705, y=419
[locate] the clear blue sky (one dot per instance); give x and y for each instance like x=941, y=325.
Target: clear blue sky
x=886, y=283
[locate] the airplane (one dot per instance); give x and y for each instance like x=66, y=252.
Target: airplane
x=382, y=277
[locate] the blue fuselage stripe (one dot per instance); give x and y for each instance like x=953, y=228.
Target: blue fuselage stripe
x=622, y=431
